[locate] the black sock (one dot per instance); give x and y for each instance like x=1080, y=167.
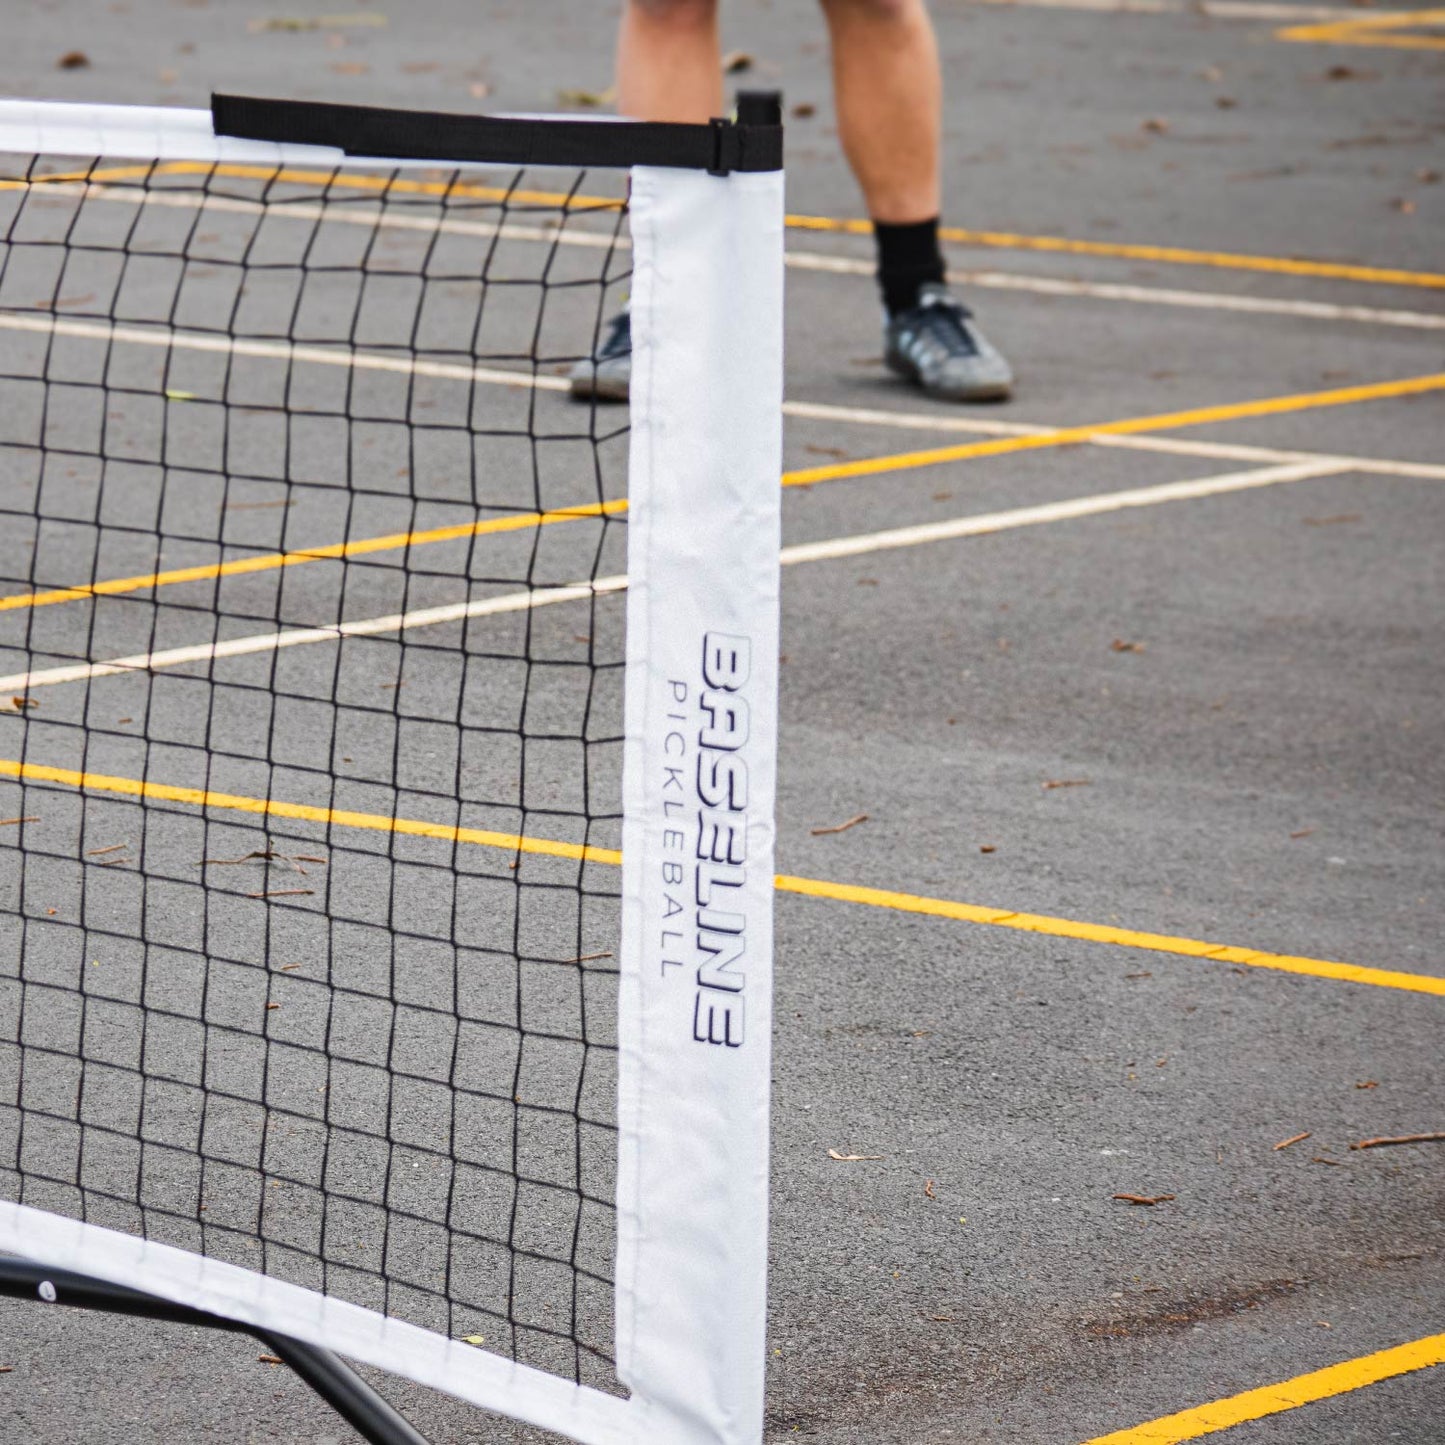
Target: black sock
x=908, y=257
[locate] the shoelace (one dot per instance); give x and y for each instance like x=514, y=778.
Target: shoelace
x=619, y=338
x=947, y=322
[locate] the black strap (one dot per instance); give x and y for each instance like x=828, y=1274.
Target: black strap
x=363, y=130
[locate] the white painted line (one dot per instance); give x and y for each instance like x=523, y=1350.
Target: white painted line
x=302, y=636
x=287, y=351
x=923, y=421
x=346, y=213
x=375, y=217
x=1147, y=295
x=829, y=550
x=818, y=411
x=1057, y=511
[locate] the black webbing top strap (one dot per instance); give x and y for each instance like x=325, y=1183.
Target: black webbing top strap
x=362, y=130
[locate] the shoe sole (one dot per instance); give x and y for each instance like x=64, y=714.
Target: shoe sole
x=587, y=388
x=986, y=391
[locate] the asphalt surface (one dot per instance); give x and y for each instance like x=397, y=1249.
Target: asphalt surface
x=1249, y=683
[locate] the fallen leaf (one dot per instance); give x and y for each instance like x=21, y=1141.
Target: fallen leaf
x=474, y=1339
x=21, y=703
x=1147, y=973
x=867, y=581
x=273, y=1005
x=736, y=61
x=270, y=1359
x=1225, y=102
x=6, y=1369
x=987, y=848
x=1385, y=1139
x=943, y=496
x=840, y=827
x=1120, y=645
x=804, y=110
x=1293, y=1139
x=1342, y=72
x=1367, y=1084
x=1067, y=783
x=1144, y=1198
x=577, y=96
x=1426, y=176
x=1156, y=125
x=360, y=19
x=1301, y=832
x=851, y=1158
x=73, y=60
x=928, y=1189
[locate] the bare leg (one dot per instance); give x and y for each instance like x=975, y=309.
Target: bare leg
x=668, y=60
x=889, y=95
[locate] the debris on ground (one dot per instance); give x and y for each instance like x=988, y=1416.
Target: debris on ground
x=840, y=827
x=1384, y=1139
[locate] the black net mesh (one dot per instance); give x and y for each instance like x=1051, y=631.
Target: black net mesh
x=310, y=730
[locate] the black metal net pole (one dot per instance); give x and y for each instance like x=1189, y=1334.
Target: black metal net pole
x=328, y=1375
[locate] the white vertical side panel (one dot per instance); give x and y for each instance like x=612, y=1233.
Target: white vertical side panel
x=702, y=651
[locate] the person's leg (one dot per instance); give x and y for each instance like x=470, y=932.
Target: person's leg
x=890, y=103
x=668, y=68
x=889, y=93
x=668, y=61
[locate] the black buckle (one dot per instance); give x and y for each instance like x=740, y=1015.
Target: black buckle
x=726, y=147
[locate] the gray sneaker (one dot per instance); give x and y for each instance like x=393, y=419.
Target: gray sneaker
x=608, y=375
x=937, y=346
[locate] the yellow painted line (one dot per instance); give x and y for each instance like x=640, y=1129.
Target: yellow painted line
x=785, y=883
x=270, y=561
x=1372, y=30
x=1167, y=255
x=805, y=477
x=1104, y=933
x=1287, y=1395
x=110, y=173
x=387, y=184
x=996, y=240
x=302, y=812
x=1129, y=426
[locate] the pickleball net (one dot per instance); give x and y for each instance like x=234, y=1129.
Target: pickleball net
x=321, y=674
